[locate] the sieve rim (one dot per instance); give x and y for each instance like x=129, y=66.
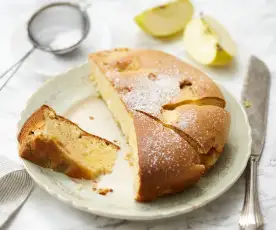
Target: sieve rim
x=85, y=30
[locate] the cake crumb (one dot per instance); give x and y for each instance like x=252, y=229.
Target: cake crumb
x=91, y=118
x=152, y=76
x=104, y=191
x=128, y=158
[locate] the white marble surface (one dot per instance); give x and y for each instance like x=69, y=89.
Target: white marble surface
x=253, y=26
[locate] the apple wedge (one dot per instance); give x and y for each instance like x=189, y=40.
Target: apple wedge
x=166, y=20
x=208, y=42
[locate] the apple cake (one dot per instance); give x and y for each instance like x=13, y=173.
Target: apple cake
x=52, y=141
x=172, y=115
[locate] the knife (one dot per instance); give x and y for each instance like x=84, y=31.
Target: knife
x=255, y=95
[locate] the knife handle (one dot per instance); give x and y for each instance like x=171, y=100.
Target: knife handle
x=251, y=216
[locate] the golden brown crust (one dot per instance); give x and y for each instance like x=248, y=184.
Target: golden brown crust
x=205, y=127
x=34, y=122
x=48, y=153
x=167, y=163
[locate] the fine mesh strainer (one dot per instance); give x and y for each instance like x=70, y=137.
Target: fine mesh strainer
x=58, y=28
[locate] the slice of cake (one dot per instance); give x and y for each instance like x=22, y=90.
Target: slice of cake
x=166, y=162
x=52, y=141
x=205, y=127
x=138, y=86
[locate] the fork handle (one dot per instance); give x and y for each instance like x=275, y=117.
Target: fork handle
x=251, y=216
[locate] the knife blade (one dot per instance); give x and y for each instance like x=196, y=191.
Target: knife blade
x=255, y=97
x=256, y=93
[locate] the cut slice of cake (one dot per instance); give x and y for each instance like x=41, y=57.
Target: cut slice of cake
x=166, y=162
x=138, y=85
x=205, y=127
x=52, y=141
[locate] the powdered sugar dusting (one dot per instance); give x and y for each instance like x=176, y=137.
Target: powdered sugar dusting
x=187, y=119
x=207, y=125
x=155, y=148
x=150, y=95
x=162, y=146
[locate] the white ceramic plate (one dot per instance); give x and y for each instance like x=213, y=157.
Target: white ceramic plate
x=72, y=94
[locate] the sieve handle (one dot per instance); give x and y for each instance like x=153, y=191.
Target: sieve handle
x=13, y=69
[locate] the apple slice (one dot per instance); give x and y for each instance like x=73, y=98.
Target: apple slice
x=166, y=20
x=208, y=42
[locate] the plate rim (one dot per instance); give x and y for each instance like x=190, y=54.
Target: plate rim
x=122, y=215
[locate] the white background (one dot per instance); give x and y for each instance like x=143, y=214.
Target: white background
x=252, y=25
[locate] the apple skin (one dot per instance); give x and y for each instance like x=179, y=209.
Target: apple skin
x=222, y=58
